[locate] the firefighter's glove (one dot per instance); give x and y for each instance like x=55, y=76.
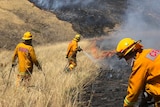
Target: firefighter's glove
x=66, y=56
x=79, y=49
x=39, y=67
x=14, y=64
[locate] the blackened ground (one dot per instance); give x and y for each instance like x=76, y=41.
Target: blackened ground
x=106, y=91
x=88, y=20
x=109, y=88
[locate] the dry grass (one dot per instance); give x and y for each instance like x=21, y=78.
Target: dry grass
x=60, y=89
x=19, y=16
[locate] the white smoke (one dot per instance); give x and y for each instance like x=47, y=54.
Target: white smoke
x=141, y=23
x=142, y=20
x=56, y=4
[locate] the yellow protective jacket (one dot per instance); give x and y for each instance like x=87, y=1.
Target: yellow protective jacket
x=72, y=48
x=26, y=57
x=145, y=75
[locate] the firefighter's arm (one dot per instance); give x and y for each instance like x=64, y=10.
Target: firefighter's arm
x=15, y=55
x=72, y=48
x=68, y=49
x=38, y=65
x=76, y=47
x=135, y=85
x=79, y=49
x=34, y=59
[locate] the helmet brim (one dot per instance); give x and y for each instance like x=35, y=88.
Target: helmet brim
x=129, y=49
x=26, y=38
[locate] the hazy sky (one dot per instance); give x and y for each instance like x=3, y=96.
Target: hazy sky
x=140, y=22
x=142, y=17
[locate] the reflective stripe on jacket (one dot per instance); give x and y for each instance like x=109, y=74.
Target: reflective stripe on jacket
x=145, y=74
x=72, y=48
x=26, y=57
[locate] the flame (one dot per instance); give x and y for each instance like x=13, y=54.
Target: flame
x=98, y=53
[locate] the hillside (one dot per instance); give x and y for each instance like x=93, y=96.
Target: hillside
x=90, y=18
x=102, y=26
x=20, y=16
x=56, y=89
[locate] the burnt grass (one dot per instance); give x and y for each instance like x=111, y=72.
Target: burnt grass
x=109, y=87
x=90, y=19
x=104, y=91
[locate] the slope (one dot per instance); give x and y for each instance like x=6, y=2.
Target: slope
x=18, y=17
x=60, y=89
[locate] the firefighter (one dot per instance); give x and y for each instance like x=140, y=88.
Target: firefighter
x=145, y=73
x=72, y=50
x=26, y=56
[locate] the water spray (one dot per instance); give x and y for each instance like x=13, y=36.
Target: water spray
x=91, y=58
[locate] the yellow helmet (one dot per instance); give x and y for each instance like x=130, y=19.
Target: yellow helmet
x=27, y=36
x=77, y=37
x=126, y=45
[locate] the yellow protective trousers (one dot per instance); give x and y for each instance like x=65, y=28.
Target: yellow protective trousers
x=72, y=63
x=23, y=79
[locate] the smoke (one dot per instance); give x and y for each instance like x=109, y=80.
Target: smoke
x=57, y=4
x=90, y=57
x=142, y=19
x=142, y=22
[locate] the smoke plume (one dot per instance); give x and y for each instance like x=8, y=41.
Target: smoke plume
x=88, y=17
x=57, y=4
x=142, y=22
